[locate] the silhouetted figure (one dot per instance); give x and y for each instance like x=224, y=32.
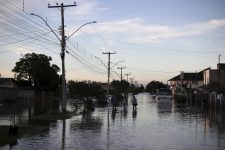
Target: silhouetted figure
x=114, y=101
x=124, y=100
x=13, y=130
x=88, y=105
x=134, y=102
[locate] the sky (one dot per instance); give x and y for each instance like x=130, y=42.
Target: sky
x=156, y=39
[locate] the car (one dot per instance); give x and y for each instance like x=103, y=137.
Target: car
x=163, y=94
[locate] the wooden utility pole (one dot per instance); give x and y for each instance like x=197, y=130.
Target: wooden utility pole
x=63, y=45
x=109, y=54
x=121, y=69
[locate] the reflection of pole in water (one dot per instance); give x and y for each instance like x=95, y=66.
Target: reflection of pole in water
x=219, y=128
x=63, y=134
x=196, y=125
x=108, y=135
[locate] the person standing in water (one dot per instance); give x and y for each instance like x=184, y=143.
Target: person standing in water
x=134, y=102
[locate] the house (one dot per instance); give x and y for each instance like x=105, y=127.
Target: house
x=7, y=89
x=211, y=79
x=186, y=80
x=7, y=83
x=214, y=78
x=10, y=91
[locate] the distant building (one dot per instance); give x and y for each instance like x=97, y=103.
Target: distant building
x=214, y=77
x=210, y=79
x=7, y=83
x=8, y=89
x=105, y=86
x=186, y=80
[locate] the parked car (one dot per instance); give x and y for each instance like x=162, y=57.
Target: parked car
x=163, y=94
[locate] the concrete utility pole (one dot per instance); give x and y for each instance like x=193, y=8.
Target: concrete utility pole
x=109, y=54
x=63, y=45
x=121, y=69
x=127, y=74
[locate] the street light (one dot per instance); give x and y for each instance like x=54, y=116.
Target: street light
x=63, y=45
x=46, y=24
x=80, y=28
x=112, y=66
x=101, y=61
x=117, y=63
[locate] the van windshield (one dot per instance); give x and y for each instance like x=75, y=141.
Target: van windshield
x=165, y=92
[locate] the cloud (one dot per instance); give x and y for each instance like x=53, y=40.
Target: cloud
x=134, y=30
x=88, y=7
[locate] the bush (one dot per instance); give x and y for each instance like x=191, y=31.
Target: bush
x=180, y=98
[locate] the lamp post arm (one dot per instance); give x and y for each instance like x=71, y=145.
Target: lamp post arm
x=117, y=63
x=116, y=73
x=101, y=62
x=46, y=25
x=80, y=28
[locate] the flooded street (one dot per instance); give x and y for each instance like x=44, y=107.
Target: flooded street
x=155, y=125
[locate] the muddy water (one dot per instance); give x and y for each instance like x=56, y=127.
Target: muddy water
x=155, y=125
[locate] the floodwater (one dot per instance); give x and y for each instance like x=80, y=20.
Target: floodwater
x=155, y=125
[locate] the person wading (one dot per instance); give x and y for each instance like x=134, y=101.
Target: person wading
x=134, y=102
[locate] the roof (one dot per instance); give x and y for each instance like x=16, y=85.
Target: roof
x=189, y=77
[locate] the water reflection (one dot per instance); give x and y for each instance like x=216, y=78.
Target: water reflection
x=164, y=107
x=155, y=125
x=113, y=115
x=134, y=114
x=87, y=122
x=125, y=111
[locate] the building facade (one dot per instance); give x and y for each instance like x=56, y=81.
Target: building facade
x=215, y=77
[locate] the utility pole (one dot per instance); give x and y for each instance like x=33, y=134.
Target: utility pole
x=219, y=71
x=109, y=54
x=121, y=69
x=127, y=74
x=63, y=45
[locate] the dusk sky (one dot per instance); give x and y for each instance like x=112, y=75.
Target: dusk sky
x=156, y=38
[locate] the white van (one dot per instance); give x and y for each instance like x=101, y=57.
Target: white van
x=163, y=94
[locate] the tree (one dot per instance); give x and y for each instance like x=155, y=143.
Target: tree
x=85, y=88
x=36, y=69
x=120, y=86
x=153, y=86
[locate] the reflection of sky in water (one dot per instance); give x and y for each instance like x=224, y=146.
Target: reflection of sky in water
x=154, y=125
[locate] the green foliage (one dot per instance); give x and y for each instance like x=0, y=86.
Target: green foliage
x=180, y=98
x=153, y=86
x=135, y=89
x=85, y=88
x=36, y=69
x=120, y=86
